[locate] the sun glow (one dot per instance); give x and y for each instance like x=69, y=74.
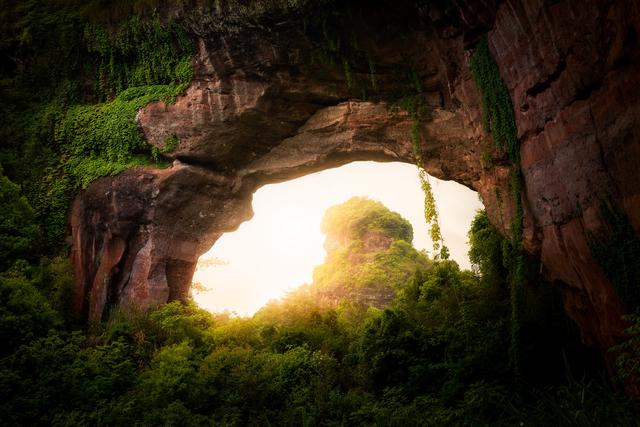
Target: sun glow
x=277, y=250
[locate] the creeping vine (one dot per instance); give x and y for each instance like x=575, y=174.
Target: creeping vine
x=499, y=121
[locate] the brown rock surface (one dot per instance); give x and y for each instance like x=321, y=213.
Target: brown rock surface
x=257, y=113
x=573, y=73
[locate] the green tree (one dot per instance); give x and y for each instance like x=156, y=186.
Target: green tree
x=25, y=314
x=18, y=229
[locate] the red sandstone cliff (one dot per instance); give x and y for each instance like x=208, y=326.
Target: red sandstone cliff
x=257, y=113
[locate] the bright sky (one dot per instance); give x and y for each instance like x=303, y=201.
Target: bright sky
x=277, y=250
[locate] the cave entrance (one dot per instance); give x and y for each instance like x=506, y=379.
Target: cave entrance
x=277, y=250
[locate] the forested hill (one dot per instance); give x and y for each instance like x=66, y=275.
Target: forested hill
x=369, y=255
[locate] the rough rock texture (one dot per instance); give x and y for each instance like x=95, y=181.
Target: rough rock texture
x=258, y=112
x=573, y=73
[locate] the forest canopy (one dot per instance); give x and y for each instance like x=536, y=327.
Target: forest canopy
x=433, y=353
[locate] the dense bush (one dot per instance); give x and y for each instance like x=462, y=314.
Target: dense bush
x=18, y=228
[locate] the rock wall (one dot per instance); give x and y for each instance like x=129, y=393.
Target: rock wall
x=259, y=112
x=573, y=73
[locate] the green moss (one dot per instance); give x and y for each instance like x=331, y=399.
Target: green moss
x=170, y=144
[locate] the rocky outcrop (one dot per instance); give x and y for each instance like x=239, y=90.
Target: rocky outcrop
x=369, y=256
x=259, y=112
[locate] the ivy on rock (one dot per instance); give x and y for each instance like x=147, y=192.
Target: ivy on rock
x=499, y=121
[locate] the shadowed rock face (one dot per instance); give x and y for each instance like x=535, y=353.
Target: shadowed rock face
x=257, y=112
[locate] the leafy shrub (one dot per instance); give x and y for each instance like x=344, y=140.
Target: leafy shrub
x=25, y=314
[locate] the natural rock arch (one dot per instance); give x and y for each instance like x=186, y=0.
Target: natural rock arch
x=157, y=223
x=256, y=113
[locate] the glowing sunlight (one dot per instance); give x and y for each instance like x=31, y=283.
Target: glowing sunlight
x=277, y=250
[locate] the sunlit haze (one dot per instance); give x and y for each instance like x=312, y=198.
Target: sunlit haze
x=278, y=248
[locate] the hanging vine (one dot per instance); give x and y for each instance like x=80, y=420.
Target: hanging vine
x=413, y=103
x=499, y=120
x=339, y=47
x=430, y=207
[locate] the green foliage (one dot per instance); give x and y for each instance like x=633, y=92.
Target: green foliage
x=139, y=53
x=359, y=216
x=104, y=139
x=58, y=380
x=25, y=313
x=576, y=403
x=173, y=323
x=59, y=139
x=18, y=228
x=431, y=216
x=435, y=355
x=383, y=269
x=486, y=256
x=485, y=247
x=628, y=352
x=499, y=120
x=497, y=111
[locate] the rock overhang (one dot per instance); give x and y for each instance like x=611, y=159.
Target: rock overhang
x=257, y=113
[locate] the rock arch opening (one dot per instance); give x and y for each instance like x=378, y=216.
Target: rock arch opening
x=255, y=113
x=138, y=236
x=277, y=250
